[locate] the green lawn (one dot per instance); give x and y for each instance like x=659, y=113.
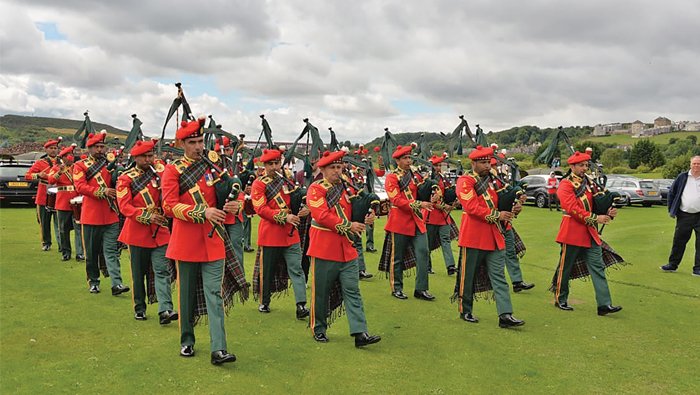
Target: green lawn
x=58, y=338
x=626, y=139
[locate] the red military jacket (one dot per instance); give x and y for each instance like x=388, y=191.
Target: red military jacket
x=189, y=240
x=139, y=208
x=273, y=230
x=552, y=185
x=66, y=191
x=578, y=223
x=330, y=230
x=438, y=216
x=45, y=165
x=480, y=217
x=96, y=210
x=403, y=216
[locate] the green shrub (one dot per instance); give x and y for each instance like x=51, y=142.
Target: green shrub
x=620, y=170
x=676, y=166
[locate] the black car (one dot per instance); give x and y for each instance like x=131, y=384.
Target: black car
x=664, y=184
x=537, y=189
x=13, y=186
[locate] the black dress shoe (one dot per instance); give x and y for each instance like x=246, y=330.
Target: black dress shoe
x=187, y=351
x=46, y=248
x=363, y=339
x=507, y=320
x=219, y=357
x=609, y=309
x=168, y=316
x=321, y=338
x=563, y=306
x=451, y=270
x=80, y=257
x=371, y=249
x=302, y=311
x=399, y=295
x=431, y=271
x=65, y=258
x=119, y=289
x=263, y=308
x=469, y=317
x=248, y=249
x=423, y=295
x=522, y=286
x=140, y=316
x=365, y=275
x=94, y=289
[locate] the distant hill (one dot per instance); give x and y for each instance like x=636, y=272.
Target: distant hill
x=20, y=129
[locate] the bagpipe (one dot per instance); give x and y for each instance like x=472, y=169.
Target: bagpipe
x=226, y=187
x=603, y=199
x=508, y=194
x=363, y=202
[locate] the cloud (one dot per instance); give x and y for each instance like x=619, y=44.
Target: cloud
x=500, y=64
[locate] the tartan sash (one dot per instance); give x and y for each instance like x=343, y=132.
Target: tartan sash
x=94, y=168
x=405, y=182
x=140, y=182
x=191, y=174
x=273, y=188
x=334, y=194
x=482, y=184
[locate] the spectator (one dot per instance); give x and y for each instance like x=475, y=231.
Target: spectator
x=684, y=206
x=552, y=190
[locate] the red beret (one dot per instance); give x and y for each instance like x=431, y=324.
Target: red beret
x=376, y=149
x=96, y=138
x=578, y=157
x=189, y=129
x=329, y=158
x=269, y=155
x=494, y=161
x=401, y=151
x=141, y=147
x=437, y=159
x=66, y=150
x=481, y=153
x=69, y=158
x=51, y=142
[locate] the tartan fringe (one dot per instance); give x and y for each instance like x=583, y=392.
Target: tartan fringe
x=611, y=260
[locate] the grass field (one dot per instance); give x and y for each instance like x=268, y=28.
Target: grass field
x=626, y=139
x=58, y=338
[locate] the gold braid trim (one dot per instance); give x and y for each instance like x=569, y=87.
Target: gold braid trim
x=592, y=220
x=179, y=211
x=415, y=206
x=197, y=213
x=281, y=218
x=101, y=193
x=144, y=218
x=492, y=217
x=343, y=228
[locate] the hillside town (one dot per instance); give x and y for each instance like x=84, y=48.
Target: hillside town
x=638, y=128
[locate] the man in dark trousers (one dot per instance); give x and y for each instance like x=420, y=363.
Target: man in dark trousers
x=333, y=256
x=684, y=206
x=40, y=171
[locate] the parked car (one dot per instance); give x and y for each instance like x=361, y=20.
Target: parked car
x=664, y=184
x=636, y=190
x=536, y=190
x=13, y=186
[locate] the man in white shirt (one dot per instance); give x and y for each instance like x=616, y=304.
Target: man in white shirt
x=684, y=206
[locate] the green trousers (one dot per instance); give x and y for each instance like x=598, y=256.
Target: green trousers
x=325, y=273
x=472, y=258
x=235, y=233
x=44, y=217
x=246, y=231
x=370, y=237
x=142, y=259
x=512, y=261
x=443, y=233
x=102, y=238
x=292, y=255
x=594, y=260
x=66, y=223
x=212, y=273
x=361, y=266
x=420, y=247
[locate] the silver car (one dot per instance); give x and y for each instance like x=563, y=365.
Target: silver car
x=635, y=190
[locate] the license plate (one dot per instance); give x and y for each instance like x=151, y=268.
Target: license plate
x=18, y=184
x=652, y=193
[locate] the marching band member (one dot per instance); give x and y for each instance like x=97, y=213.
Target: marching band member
x=146, y=232
x=62, y=176
x=40, y=171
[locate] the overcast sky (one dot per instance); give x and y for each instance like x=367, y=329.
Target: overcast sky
x=357, y=66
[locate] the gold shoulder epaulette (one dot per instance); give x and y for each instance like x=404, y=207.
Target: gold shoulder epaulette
x=132, y=173
x=324, y=183
x=180, y=165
